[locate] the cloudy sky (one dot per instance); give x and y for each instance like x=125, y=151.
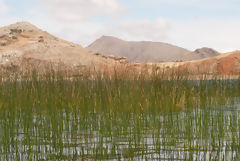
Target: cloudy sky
x=187, y=23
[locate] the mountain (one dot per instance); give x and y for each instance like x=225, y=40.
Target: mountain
x=224, y=64
x=201, y=53
x=137, y=51
x=25, y=47
x=147, y=51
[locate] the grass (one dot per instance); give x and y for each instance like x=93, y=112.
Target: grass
x=53, y=118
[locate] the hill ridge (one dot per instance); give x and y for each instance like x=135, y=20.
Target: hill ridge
x=145, y=51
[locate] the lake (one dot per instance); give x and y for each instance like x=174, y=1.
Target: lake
x=119, y=120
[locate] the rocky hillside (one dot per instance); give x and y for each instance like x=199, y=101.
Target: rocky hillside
x=147, y=51
x=22, y=45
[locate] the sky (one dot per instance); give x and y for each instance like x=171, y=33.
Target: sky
x=190, y=24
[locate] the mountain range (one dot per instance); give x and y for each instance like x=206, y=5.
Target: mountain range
x=24, y=47
x=146, y=51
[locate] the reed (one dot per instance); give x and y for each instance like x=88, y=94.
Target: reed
x=141, y=117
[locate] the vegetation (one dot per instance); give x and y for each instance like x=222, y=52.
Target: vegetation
x=16, y=30
x=174, y=118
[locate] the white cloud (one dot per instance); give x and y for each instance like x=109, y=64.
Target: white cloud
x=87, y=31
x=73, y=20
x=155, y=30
x=3, y=7
x=73, y=10
x=223, y=35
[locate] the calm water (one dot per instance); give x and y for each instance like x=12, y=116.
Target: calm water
x=66, y=134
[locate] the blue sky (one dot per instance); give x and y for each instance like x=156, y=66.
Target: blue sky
x=187, y=23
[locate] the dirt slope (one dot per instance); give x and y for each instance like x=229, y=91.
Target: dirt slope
x=24, y=45
x=225, y=64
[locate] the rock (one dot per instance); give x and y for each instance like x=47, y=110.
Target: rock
x=24, y=36
x=122, y=58
x=2, y=36
x=14, y=37
x=16, y=30
x=137, y=64
x=111, y=57
x=3, y=42
x=97, y=54
x=104, y=56
x=41, y=39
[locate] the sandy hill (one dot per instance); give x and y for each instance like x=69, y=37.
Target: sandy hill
x=147, y=51
x=24, y=45
x=224, y=64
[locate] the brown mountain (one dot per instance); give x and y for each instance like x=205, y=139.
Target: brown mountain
x=147, y=51
x=225, y=64
x=221, y=65
x=22, y=45
x=200, y=54
x=138, y=51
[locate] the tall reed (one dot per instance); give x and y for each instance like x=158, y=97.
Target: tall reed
x=141, y=117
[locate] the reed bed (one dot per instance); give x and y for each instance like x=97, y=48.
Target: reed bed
x=155, y=118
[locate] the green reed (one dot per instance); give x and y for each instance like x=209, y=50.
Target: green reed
x=114, y=118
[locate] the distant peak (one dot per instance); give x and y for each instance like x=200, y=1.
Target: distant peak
x=104, y=37
x=205, y=49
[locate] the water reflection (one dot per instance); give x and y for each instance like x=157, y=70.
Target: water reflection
x=202, y=134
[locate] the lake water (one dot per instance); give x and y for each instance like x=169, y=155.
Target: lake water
x=67, y=134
